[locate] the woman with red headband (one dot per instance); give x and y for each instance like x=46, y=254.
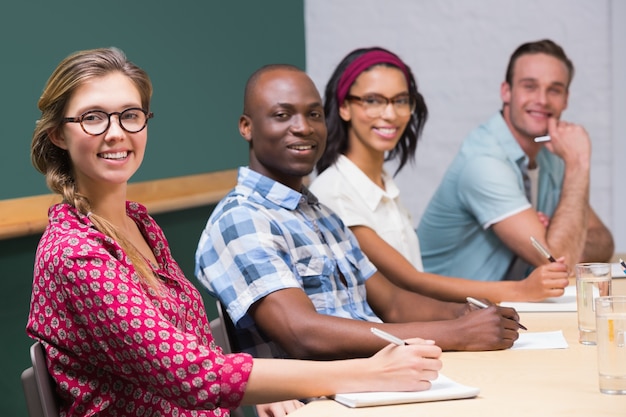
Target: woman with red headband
x=375, y=113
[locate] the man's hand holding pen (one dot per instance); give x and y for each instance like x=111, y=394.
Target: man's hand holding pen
x=486, y=304
x=490, y=328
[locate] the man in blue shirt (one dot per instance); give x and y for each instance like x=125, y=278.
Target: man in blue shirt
x=289, y=272
x=503, y=187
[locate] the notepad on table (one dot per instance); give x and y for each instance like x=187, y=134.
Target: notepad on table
x=617, y=271
x=541, y=340
x=566, y=302
x=443, y=388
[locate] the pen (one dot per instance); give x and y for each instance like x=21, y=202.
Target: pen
x=542, y=250
x=480, y=304
x=545, y=138
x=388, y=337
x=476, y=302
x=623, y=264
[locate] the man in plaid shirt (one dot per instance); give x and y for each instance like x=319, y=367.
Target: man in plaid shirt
x=290, y=274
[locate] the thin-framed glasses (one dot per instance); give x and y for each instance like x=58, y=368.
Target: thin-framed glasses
x=96, y=122
x=375, y=104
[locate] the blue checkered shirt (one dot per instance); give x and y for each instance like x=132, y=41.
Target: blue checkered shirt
x=264, y=237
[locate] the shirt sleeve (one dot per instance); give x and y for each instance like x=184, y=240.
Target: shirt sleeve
x=489, y=189
x=346, y=202
x=106, y=319
x=242, y=257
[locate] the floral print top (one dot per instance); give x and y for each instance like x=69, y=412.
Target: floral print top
x=115, y=347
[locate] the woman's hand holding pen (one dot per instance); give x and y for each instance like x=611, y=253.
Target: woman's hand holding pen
x=545, y=281
x=409, y=367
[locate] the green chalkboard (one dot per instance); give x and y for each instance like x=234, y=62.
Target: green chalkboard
x=198, y=53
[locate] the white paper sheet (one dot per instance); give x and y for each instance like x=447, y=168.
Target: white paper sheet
x=617, y=271
x=566, y=302
x=541, y=340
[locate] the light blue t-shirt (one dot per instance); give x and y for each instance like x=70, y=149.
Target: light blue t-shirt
x=483, y=186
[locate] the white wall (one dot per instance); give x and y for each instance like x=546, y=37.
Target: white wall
x=618, y=87
x=458, y=51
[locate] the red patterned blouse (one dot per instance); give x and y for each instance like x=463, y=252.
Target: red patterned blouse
x=115, y=348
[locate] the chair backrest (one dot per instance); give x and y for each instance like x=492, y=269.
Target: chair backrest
x=229, y=327
x=219, y=329
x=41, y=400
x=33, y=401
x=219, y=334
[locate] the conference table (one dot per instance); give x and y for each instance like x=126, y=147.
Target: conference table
x=549, y=382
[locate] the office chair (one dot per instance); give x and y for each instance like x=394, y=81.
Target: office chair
x=39, y=387
x=219, y=329
x=228, y=328
x=41, y=400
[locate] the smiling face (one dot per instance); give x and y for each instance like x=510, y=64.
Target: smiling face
x=537, y=92
x=375, y=135
x=111, y=158
x=284, y=124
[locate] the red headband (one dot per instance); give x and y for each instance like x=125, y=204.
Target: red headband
x=362, y=63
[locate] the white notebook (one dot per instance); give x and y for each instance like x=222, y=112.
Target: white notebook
x=443, y=388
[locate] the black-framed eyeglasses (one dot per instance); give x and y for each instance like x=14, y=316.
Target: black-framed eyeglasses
x=375, y=104
x=96, y=122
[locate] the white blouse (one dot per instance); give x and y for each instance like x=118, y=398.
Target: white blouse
x=360, y=202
